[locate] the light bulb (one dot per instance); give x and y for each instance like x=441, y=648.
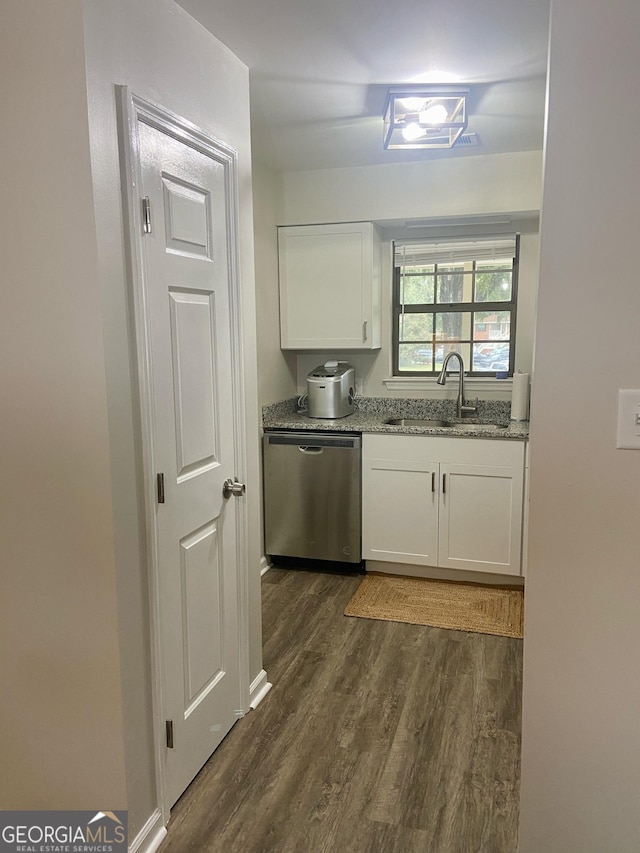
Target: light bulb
x=413, y=131
x=435, y=114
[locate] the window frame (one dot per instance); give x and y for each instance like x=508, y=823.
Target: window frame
x=446, y=308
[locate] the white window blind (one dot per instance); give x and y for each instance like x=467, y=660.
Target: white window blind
x=413, y=253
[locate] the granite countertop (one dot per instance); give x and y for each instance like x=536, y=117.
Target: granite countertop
x=371, y=413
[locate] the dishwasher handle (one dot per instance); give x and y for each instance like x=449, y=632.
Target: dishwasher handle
x=304, y=448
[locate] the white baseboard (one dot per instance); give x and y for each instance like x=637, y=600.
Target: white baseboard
x=265, y=565
x=435, y=573
x=150, y=836
x=258, y=689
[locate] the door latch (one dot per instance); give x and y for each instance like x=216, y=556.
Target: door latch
x=233, y=487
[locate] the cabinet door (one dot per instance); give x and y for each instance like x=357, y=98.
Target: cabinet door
x=480, y=521
x=329, y=286
x=400, y=511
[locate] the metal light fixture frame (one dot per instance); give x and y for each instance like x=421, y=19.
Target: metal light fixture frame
x=397, y=116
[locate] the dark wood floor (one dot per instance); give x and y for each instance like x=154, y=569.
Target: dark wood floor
x=377, y=737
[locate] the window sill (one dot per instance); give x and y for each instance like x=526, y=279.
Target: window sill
x=417, y=383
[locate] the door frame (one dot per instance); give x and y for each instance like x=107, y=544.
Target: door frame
x=131, y=111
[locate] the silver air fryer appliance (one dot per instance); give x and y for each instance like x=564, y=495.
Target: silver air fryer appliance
x=331, y=390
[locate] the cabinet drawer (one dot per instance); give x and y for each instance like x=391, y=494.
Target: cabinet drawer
x=464, y=450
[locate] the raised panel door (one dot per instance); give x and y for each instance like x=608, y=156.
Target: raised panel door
x=187, y=289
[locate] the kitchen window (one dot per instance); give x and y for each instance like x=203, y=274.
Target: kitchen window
x=458, y=295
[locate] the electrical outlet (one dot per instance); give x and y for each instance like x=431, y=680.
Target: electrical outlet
x=628, y=419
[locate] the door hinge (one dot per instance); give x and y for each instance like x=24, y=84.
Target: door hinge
x=169, y=733
x=160, y=488
x=146, y=215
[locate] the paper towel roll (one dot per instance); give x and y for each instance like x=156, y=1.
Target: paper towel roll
x=520, y=397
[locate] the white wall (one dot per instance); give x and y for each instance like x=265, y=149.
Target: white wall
x=163, y=55
x=61, y=709
x=276, y=369
x=581, y=738
x=458, y=187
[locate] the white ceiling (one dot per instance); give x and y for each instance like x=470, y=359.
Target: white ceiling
x=320, y=70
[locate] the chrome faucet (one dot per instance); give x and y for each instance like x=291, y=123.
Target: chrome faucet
x=461, y=408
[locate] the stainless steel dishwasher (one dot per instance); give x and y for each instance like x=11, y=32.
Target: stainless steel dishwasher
x=312, y=495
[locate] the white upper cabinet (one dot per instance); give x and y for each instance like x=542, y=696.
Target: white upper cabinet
x=330, y=286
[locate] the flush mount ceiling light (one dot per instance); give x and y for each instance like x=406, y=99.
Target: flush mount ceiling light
x=424, y=117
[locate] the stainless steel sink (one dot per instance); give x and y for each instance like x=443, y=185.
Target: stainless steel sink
x=440, y=424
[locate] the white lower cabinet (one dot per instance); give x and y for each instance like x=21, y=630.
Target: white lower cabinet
x=454, y=503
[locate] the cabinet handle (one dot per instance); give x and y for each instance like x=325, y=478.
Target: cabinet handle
x=444, y=484
x=433, y=481
x=364, y=332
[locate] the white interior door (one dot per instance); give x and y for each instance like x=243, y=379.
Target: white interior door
x=187, y=275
